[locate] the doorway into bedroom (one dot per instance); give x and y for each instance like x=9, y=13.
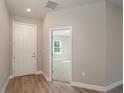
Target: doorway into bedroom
x=61, y=54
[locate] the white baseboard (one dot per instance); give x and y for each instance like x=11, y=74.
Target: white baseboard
x=5, y=85
x=76, y=84
x=11, y=76
x=88, y=86
x=49, y=79
x=95, y=87
x=46, y=77
x=111, y=86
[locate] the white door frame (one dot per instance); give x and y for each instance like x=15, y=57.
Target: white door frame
x=50, y=50
x=13, y=45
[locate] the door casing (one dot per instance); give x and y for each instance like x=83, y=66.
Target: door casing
x=50, y=50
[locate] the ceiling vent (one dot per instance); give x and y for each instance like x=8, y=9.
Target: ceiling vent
x=51, y=4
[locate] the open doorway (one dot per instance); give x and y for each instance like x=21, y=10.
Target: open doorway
x=61, y=50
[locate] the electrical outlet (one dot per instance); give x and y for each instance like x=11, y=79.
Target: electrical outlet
x=83, y=74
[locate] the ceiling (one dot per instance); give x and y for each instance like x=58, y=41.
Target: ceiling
x=18, y=7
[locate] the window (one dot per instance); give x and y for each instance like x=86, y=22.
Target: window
x=57, y=45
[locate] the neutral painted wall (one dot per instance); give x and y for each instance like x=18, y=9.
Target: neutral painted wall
x=5, y=55
x=39, y=36
x=114, y=43
x=65, y=50
x=97, y=41
x=45, y=52
x=88, y=28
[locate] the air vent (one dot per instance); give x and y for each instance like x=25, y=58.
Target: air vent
x=51, y=4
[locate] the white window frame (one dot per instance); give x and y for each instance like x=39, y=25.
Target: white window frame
x=60, y=52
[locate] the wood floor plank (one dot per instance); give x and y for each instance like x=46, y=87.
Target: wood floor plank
x=38, y=84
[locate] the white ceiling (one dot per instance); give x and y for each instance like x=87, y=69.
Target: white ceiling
x=18, y=7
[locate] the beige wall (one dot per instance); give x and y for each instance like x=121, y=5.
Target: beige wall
x=114, y=43
x=5, y=55
x=88, y=28
x=39, y=36
x=97, y=41
x=45, y=44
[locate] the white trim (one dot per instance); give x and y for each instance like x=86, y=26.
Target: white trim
x=50, y=49
x=111, y=86
x=13, y=48
x=11, y=77
x=96, y=87
x=49, y=79
x=60, y=52
x=46, y=77
x=76, y=84
x=50, y=55
x=5, y=85
x=88, y=86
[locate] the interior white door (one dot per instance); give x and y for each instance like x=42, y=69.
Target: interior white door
x=24, y=49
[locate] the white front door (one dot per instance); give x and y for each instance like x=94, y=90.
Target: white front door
x=24, y=48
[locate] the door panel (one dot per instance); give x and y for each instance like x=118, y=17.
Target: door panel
x=61, y=58
x=25, y=49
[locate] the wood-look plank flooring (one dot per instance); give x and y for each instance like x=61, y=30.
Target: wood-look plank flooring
x=38, y=84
